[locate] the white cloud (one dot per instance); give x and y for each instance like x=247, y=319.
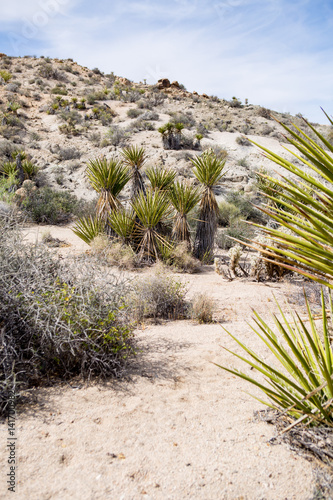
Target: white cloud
x=19, y=11
x=265, y=51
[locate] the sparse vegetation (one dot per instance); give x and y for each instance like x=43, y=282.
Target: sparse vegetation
x=47, y=206
x=56, y=322
x=158, y=296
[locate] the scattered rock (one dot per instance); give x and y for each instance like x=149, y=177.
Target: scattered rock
x=29, y=185
x=20, y=195
x=123, y=81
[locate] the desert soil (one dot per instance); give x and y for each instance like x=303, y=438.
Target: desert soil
x=177, y=427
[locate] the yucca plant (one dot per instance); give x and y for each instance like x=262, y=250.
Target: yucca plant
x=87, y=228
x=306, y=207
x=208, y=169
x=8, y=168
x=123, y=223
x=184, y=197
x=108, y=178
x=303, y=385
x=151, y=210
x=160, y=178
x=303, y=388
x=135, y=158
x=171, y=135
x=29, y=169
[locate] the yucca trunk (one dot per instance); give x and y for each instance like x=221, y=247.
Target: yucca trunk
x=181, y=231
x=137, y=183
x=207, y=225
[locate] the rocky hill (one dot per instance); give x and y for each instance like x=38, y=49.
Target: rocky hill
x=63, y=114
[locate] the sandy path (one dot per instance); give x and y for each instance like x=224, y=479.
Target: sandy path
x=179, y=428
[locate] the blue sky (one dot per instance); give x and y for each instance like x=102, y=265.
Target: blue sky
x=276, y=53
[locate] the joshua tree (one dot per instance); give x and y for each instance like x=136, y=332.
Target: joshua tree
x=108, y=178
x=171, y=135
x=208, y=169
x=135, y=158
x=184, y=197
x=160, y=178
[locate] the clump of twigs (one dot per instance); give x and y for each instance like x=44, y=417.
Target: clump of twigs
x=57, y=319
x=309, y=441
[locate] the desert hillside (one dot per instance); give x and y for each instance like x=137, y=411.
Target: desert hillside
x=62, y=114
x=113, y=340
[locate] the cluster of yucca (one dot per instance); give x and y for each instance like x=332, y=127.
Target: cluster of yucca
x=156, y=217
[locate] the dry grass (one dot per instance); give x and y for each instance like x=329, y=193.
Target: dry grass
x=203, y=308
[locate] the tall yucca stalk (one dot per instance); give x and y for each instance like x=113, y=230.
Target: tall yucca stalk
x=151, y=210
x=208, y=169
x=307, y=207
x=108, y=178
x=160, y=178
x=135, y=158
x=184, y=197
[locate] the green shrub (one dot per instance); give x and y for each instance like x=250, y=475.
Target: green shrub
x=48, y=206
x=237, y=229
x=5, y=75
x=6, y=187
x=228, y=212
x=59, y=91
x=243, y=203
x=134, y=113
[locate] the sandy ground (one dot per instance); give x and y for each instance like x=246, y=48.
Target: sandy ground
x=178, y=427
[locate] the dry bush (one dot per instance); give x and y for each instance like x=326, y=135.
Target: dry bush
x=202, y=308
x=121, y=255
x=58, y=319
x=183, y=260
x=99, y=243
x=158, y=296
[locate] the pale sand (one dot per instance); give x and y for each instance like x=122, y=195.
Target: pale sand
x=179, y=428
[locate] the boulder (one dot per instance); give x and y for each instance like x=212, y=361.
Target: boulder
x=29, y=185
x=205, y=96
x=20, y=195
x=123, y=81
x=175, y=84
x=164, y=83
